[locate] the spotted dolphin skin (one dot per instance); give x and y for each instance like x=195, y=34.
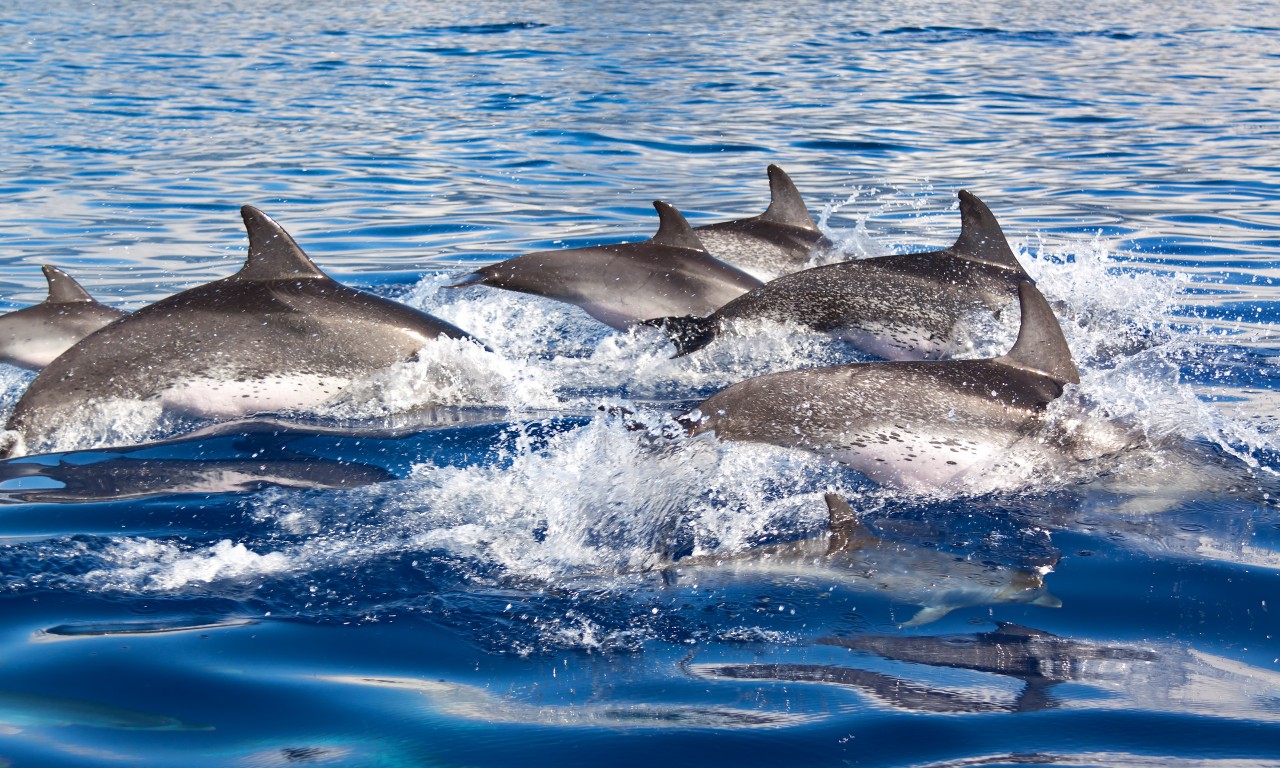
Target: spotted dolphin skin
x=278, y=334
x=32, y=337
x=669, y=274
x=901, y=307
x=778, y=241
x=914, y=425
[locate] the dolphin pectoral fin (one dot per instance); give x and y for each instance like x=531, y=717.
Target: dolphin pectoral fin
x=847, y=532
x=62, y=289
x=927, y=615
x=785, y=205
x=981, y=238
x=1048, y=601
x=673, y=230
x=273, y=255
x=1041, y=347
x=688, y=333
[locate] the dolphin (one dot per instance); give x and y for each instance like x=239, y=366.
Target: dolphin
x=852, y=554
x=32, y=337
x=903, y=307
x=778, y=241
x=669, y=274
x=914, y=425
x=278, y=334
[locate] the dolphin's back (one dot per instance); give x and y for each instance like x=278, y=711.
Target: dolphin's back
x=278, y=334
x=619, y=285
x=778, y=241
x=899, y=307
x=34, y=336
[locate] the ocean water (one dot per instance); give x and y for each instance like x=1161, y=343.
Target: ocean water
x=459, y=561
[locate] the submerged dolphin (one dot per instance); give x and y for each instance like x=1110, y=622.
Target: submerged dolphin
x=852, y=554
x=32, y=337
x=278, y=334
x=669, y=274
x=910, y=424
x=133, y=478
x=776, y=242
x=901, y=307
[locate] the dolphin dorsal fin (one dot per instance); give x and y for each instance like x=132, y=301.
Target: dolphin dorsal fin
x=981, y=238
x=673, y=230
x=785, y=204
x=273, y=255
x=62, y=289
x=848, y=532
x=1041, y=347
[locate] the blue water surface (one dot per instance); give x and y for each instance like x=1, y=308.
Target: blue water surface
x=457, y=563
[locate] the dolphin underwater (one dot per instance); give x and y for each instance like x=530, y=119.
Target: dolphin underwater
x=914, y=425
x=901, y=307
x=32, y=337
x=853, y=555
x=778, y=241
x=669, y=274
x=278, y=334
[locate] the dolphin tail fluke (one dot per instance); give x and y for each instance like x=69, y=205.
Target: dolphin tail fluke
x=1048, y=601
x=1041, y=347
x=848, y=532
x=273, y=255
x=785, y=204
x=981, y=238
x=673, y=230
x=62, y=289
x=689, y=333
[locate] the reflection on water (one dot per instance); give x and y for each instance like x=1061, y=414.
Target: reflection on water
x=1158, y=677
x=470, y=703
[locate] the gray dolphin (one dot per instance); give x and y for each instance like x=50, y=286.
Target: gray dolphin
x=776, y=242
x=120, y=478
x=32, y=337
x=909, y=424
x=852, y=555
x=278, y=334
x=669, y=274
x=901, y=307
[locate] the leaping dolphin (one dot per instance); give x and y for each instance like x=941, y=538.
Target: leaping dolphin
x=32, y=337
x=901, y=307
x=916, y=425
x=278, y=334
x=669, y=274
x=778, y=241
